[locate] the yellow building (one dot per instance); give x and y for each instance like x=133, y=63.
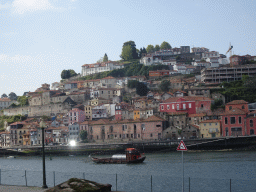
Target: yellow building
x=210, y=128
x=88, y=112
x=136, y=114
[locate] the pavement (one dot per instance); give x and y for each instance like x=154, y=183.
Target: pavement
x=13, y=188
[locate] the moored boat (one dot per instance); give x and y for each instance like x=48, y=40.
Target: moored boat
x=132, y=156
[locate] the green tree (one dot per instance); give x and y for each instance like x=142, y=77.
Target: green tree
x=157, y=48
x=164, y=85
x=127, y=53
x=165, y=45
x=105, y=58
x=150, y=49
x=65, y=74
x=13, y=96
x=83, y=135
x=141, y=89
x=132, y=84
x=23, y=100
x=4, y=96
x=72, y=73
x=133, y=47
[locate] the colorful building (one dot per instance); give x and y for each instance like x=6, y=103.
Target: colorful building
x=233, y=122
x=210, y=128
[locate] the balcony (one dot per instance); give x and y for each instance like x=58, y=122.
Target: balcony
x=213, y=131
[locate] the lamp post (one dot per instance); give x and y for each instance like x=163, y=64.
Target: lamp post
x=42, y=125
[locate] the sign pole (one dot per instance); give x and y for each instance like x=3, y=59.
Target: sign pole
x=182, y=172
x=182, y=147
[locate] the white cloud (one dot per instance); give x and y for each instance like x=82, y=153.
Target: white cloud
x=22, y=6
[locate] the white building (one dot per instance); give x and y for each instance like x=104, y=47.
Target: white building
x=214, y=61
x=210, y=54
x=5, y=102
x=88, y=69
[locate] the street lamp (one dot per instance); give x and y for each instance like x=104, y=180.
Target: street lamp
x=42, y=126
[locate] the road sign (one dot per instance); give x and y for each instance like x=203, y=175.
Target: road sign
x=182, y=146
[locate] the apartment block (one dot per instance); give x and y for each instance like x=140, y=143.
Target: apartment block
x=228, y=74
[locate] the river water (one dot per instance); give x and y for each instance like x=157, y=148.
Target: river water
x=203, y=171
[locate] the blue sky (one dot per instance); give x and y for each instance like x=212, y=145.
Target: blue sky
x=40, y=38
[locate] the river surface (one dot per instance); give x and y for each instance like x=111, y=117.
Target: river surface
x=203, y=171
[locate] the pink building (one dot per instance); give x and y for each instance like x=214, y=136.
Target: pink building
x=76, y=116
x=105, y=130
x=233, y=122
x=188, y=104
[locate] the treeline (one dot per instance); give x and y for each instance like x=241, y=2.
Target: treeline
x=10, y=119
x=134, y=69
x=244, y=89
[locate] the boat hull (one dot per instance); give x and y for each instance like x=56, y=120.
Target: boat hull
x=117, y=161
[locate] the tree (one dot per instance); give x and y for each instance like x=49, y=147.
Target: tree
x=142, y=51
x=100, y=60
x=127, y=53
x=23, y=100
x=83, y=135
x=4, y=96
x=150, y=49
x=141, y=89
x=157, y=48
x=165, y=45
x=72, y=73
x=132, y=84
x=105, y=58
x=164, y=85
x=133, y=49
x=12, y=96
x=65, y=74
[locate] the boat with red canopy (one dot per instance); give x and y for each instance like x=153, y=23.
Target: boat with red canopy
x=131, y=155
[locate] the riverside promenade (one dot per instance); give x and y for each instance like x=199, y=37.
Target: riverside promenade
x=14, y=188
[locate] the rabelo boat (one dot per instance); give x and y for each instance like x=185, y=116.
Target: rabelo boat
x=132, y=155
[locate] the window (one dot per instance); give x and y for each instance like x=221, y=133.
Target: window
x=162, y=107
x=168, y=107
x=178, y=107
x=189, y=105
x=226, y=120
x=151, y=135
x=240, y=120
x=232, y=120
x=243, y=107
x=202, y=105
x=143, y=127
x=230, y=107
x=210, y=124
x=158, y=125
x=204, y=124
x=184, y=106
x=172, y=106
x=251, y=123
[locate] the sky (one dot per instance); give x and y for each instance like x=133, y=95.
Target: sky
x=40, y=38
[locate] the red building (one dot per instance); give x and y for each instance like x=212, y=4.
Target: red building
x=237, y=60
x=251, y=123
x=188, y=104
x=239, y=104
x=233, y=122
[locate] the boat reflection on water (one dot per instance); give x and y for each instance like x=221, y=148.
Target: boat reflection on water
x=132, y=156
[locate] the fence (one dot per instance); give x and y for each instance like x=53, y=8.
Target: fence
x=124, y=182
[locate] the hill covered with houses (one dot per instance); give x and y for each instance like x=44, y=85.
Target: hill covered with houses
x=165, y=94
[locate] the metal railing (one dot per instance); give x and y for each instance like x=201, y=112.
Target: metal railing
x=125, y=182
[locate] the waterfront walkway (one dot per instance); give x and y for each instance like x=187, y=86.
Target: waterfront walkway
x=13, y=188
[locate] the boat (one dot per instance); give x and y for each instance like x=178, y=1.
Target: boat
x=11, y=157
x=132, y=155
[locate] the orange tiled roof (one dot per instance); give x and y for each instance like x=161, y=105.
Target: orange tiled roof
x=211, y=121
x=237, y=102
x=234, y=111
x=197, y=115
